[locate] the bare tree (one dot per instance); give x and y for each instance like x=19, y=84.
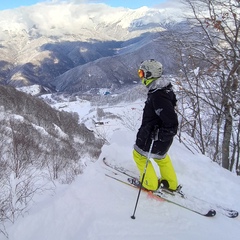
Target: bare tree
x=131, y=118
x=215, y=56
x=23, y=178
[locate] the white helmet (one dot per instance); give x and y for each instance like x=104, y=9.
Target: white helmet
x=150, y=69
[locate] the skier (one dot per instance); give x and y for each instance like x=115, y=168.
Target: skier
x=159, y=122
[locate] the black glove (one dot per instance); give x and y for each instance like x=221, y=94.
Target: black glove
x=155, y=133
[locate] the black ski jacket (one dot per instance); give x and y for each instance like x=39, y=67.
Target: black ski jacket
x=159, y=111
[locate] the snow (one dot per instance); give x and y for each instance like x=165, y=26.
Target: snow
x=196, y=71
x=56, y=18
x=95, y=207
x=33, y=89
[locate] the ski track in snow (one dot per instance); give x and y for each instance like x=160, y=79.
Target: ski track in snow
x=95, y=207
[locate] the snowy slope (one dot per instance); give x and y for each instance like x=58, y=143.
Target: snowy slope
x=95, y=207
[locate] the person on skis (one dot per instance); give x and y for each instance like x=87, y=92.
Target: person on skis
x=159, y=124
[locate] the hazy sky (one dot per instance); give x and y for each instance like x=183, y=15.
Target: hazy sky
x=9, y=4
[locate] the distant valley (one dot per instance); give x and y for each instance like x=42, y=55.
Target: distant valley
x=90, y=47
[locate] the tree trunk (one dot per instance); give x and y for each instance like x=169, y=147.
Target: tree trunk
x=227, y=137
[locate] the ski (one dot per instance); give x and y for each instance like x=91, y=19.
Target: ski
x=163, y=196
x=212, y=208
x=223, y=210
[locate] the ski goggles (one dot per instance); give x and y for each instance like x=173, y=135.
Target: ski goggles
x=141, y=73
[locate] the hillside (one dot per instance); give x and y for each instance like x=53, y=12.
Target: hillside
x=40, y=147
x=96, y=207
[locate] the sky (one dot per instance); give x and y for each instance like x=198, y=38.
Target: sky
x=10, y=4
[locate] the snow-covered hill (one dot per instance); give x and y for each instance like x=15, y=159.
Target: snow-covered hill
x=95, y=207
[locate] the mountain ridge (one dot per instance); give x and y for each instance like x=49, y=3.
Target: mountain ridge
x=40, y=47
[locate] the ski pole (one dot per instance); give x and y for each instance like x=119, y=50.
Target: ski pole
x=145, y=169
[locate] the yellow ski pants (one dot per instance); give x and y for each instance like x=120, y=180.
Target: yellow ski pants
x=167, y=171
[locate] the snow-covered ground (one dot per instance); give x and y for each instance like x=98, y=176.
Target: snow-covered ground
x=95, y=207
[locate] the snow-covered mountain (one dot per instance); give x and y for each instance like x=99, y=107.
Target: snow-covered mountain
x=63, y=45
